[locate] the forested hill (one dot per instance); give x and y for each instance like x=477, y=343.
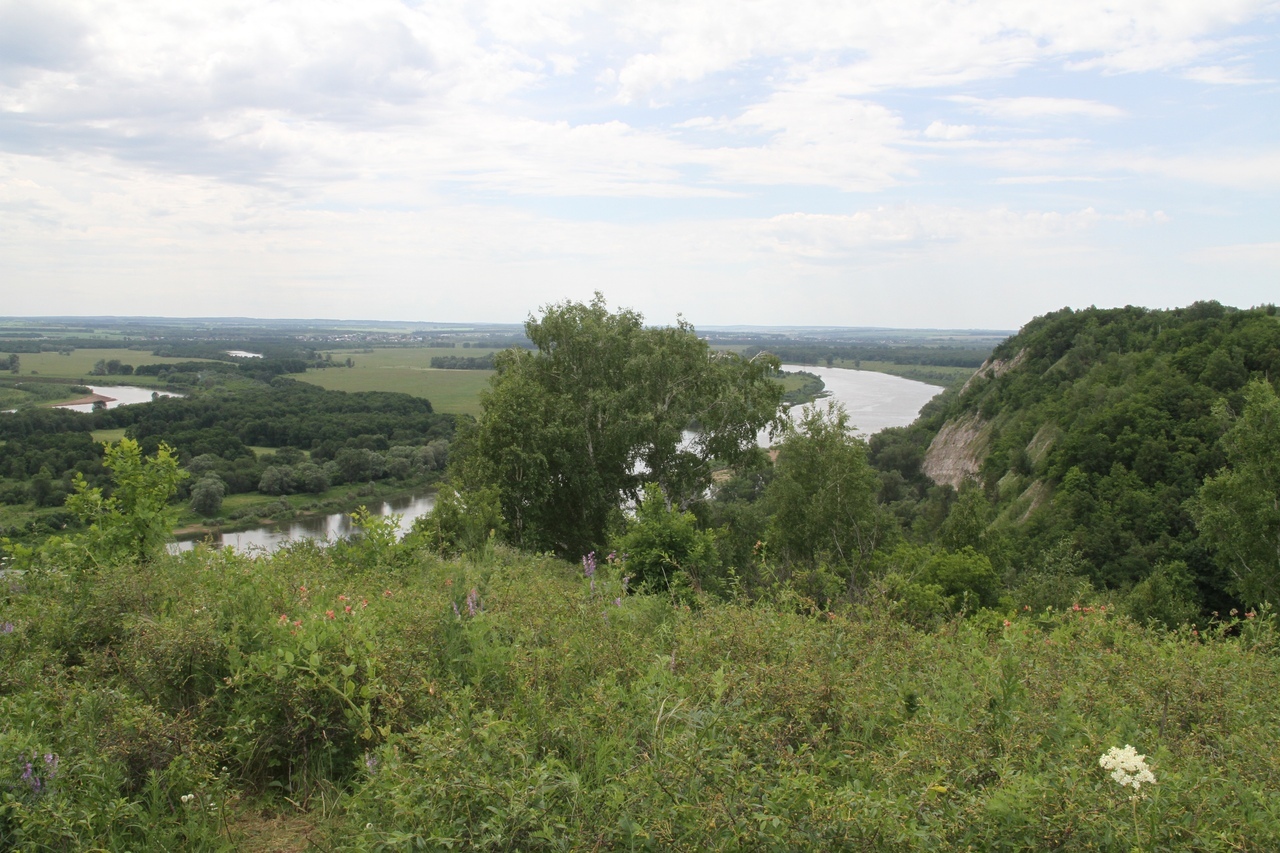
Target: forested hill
x=1091, y=432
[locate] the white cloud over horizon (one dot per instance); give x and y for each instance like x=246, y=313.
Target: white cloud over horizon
x=451, y=160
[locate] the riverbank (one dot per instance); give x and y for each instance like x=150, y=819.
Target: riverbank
x=87, y=400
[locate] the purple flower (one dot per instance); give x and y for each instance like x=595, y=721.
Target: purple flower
x=617, y=602
x=370, y=761
x=455, y=609
x=626, y=579
x=589, y=564
x=50, y=764
x=6, y=627
x=473, y=602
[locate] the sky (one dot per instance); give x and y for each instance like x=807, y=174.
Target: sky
x=901, y=163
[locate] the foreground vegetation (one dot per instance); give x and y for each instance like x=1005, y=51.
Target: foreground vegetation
x=379, y=696
x=822, y=648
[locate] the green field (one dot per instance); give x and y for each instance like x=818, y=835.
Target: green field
x=80, y=362
x=408, y=370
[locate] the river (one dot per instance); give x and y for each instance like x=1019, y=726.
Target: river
x=874, y=401
x=323, y=527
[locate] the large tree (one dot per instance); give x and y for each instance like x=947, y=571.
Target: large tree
x=1238, y=509
x=571, y=431
x=822, y=499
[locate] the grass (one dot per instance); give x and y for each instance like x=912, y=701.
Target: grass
x=351, y=699
x=79, y=363
x=408, y=371
x=112, y=435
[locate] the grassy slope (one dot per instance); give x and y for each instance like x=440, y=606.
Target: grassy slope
x=558, y=719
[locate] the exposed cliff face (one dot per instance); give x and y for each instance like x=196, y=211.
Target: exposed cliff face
x=994, y=368
x=957, y=451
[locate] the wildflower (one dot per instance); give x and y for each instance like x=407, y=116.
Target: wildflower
x=1007, y=623
x=626, y=579
x=284, y=618
x=473, y=602
x=1076, y=607
x=328, y=614
x=342, y=598
x=347, y=609
x=1250, y=615
x=370, y=761
x=297, y=623
x=617, y=602
x=612, y=558
x=187, y=798
x=455, y=609
x=386, y=593
x=1234, y=611
x=589, y=564
x=1127, y=767
x=6, y=628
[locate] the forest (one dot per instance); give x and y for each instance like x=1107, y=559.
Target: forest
x=1038, y=618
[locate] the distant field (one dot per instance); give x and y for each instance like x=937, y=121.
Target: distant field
x=930, y=374
x=101, y=435
x=454, y=391
x=408, y=371
x=78, y=364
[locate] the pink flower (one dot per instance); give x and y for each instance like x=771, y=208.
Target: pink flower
x=1007, y=623
x=284, y=617
x=328, y=614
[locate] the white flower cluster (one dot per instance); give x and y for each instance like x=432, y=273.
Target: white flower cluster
x=1127, y=767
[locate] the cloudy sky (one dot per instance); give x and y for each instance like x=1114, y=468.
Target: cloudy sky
x=909, y=163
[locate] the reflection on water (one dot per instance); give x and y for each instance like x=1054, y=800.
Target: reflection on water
x=326, y=528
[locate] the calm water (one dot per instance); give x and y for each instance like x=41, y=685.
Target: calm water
x=322, y=527
x=875, y=401
x=122, y=395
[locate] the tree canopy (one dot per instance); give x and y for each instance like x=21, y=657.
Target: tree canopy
x=572, y=430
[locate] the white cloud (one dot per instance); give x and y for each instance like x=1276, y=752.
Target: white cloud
x=1047, y=179
x=942, y=130
x=1221, y=75
x=1038, y=107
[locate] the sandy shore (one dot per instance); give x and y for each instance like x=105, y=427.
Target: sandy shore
x=92, y=398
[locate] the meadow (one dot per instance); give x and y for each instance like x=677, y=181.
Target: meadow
x=407, y=370
x=78, y=364
x=380, y=696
